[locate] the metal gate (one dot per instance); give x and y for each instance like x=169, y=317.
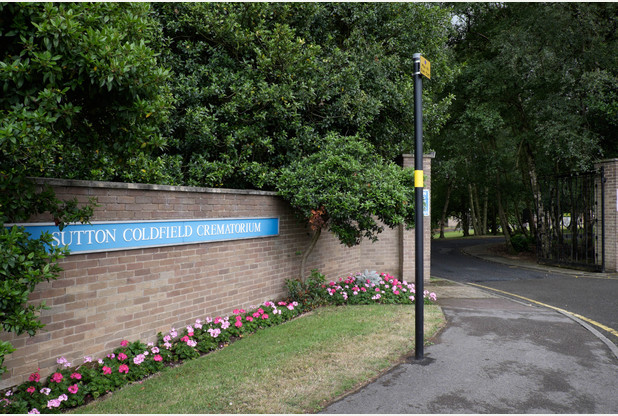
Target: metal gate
x=571, y=229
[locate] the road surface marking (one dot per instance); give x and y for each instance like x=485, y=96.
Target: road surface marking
x=583, y=318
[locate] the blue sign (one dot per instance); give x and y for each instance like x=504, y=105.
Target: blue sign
x=426, y=203
x=112, y=236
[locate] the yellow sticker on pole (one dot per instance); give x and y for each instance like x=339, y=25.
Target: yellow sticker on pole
x=418, y=178
x=425, y=67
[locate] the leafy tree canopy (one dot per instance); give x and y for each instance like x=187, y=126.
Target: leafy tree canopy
x=261, y=85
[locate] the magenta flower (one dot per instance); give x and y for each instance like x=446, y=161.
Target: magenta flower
x=256, y=314
x=31, y=389
x=265, y=316
x=106, y=370
x=76, y=376
x=124, y=343
x=56, y=378
x=36, y=377
x=123, y=368
x=238, y=324
x=249, y=318
x=122, y=356
x=157, y=358
x=185, y=338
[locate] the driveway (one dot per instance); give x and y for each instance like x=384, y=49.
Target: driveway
x=592, y=296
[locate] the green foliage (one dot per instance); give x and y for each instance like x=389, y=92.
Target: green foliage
x=83, y=95
x=521, y=243
x=349, y=189
x=309, y=293
x=260, y=85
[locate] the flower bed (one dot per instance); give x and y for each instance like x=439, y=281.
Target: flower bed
x=71, y=386
x=358, y=289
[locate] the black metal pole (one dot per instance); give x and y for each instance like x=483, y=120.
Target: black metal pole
x=419, y=336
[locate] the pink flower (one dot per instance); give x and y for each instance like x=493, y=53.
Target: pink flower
x=73, y=389
x=185, y=338
x=56, y=378
x=36, y=377
x=63, y=397
x=236, y=311
x=260, y=311
x=363, y=289
x=396, y=292
x=31, y=389
x=155, y=350
x=106, y=370
x=217, y=320
x=45, y=391
x=173, y=333
x=167, y=338
x=124, y=342
x=192, y=343
x=249, y=318
x=265, y=316
x=157, y=358
x=53, y=403
x=76, y=376
x=87, y=359
x=290, y=307
x=377, y=289
x=123, y=368
x=34, y=411
x=256, y=315
x=238, y=324
x=138, y=359
x=122, y=356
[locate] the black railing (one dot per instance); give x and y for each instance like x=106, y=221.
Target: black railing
x=570, y=223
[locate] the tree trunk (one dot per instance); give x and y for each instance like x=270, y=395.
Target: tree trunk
x=445, y=210
x=503, y=219
x=312, y=243
x=485, y=202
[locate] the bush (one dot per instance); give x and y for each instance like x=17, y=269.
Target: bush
x=310, y=293
x=521, y=243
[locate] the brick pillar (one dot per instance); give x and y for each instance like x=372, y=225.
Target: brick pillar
x=610, y=168
x=407, y=266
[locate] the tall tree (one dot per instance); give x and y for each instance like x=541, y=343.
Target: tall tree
x=546, y=74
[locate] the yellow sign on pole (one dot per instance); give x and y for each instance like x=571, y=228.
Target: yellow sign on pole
x=425, y=67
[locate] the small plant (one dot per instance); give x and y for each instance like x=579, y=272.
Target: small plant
x=309, y=293
x=521, y=243
x=367, y=276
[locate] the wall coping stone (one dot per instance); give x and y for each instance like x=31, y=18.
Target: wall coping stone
x=147, y=187
x=430, y=155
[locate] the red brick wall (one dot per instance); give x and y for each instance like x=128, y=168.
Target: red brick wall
x=102, y=298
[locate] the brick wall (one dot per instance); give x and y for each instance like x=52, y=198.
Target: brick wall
x=102, y=298
x=610, y=168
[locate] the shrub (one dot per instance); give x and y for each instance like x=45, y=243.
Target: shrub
x=521, y=243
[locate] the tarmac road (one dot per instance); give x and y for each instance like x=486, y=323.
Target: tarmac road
x=495, y=354
x=590, y=295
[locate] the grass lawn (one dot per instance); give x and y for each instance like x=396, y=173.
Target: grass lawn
x=295, y=367
x=452, y=234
